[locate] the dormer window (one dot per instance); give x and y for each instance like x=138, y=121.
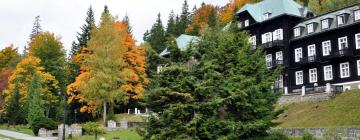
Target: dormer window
x=246, y=23
x=310, y=28
x=266, y=16
x=357, y=15
x=296, y=32
x=341, y=19
x=325, y=24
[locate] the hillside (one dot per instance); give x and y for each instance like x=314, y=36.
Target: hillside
x=342, y=111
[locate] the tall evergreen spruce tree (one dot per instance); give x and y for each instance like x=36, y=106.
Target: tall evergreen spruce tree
x=35, y=101
x=184, y=19
x=226, y=94
x=171, y=25
x=85, y=34
x=13, y=109
x=156, y=36
x=36, y=28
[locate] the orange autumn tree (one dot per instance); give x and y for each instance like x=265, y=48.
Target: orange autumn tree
x=205, y=16
x=135, y=59
x=228, y=12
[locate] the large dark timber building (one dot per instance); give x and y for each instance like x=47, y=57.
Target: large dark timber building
x=316, y=52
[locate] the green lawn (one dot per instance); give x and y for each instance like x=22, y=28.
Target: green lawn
x=342, y=111
x=129, y=134
x=18, y=128
x=11, y=138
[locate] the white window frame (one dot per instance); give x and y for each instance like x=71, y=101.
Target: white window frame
x=297, y=32
x=239, y=24
x=326, y=47
x=279, y=55
x=340, y=19
x=357, y=15
x=344, y=70
x=313, y=75
x=357, y=40
x=268, y=59
x=328, y=73
x=311, y=50
x=278, y=34
x=252, y=40
x=358, y=67
x=343, y=40
x=281, y=81
x=310, y=28
x=299, y=77
x=298, y=54
x=246, y=23
x=325, y=24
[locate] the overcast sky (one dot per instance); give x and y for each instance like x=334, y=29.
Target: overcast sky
x=64, y=17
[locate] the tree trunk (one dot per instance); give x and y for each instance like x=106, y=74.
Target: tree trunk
x=104, y=116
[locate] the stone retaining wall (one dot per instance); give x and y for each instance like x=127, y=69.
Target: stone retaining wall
x=295, y=98
x=344, y=133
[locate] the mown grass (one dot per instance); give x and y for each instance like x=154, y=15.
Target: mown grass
x=18, y=128
x=129, y=134
x=341, y=111
x=11, y=138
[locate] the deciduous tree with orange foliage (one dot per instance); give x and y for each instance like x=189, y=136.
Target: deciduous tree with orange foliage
x=205, y=16
x=228, y=12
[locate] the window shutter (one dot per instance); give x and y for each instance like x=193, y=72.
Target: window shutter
x=263, y=38
x=281, y=34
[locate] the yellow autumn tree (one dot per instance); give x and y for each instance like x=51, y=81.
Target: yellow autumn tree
x=205, y=16
x=22, y=75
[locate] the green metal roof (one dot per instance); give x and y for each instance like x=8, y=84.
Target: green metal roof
x=182, y=42
x=274, y=7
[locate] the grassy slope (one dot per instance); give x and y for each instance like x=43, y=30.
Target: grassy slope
x=342, y=111
x=18, y=128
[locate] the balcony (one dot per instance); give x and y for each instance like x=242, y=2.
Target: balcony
x=309, y=59
x=272, y=64
x=275, y=43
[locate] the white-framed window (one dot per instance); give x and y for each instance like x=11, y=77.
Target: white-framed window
x=239, y=24
x=159, y=68
x=313, y=75
x=267, y=37
x=310, y=28
x=357, y=15
x=344, y=70
x=278, y=34
x=299, y=77
x=326, y=47
x=252, y=40
x=279, y=55
x=358, y=67
x=311, y=50
x=280, y=82
x=357, y=40
x=296, y=32
x=246, y=23
x=340, y=19
x=268, y=60
x=298, y=54
x=328, y=74
x=325, y=24
x=266, y=16
x=343, y=44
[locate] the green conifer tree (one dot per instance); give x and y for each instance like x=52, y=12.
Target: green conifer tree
x=156, y=36
x=13, y=109
x=35, y=101
x=171, y=25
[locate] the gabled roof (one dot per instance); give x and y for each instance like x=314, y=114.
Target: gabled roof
x=182, y=42
x=275, y=8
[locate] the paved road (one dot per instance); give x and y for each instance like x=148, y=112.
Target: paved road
x=18, y=135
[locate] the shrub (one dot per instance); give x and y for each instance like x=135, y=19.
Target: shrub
x=92, y=128
x=43, y=122
x=308, y=136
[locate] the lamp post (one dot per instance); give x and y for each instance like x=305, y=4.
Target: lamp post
x=75, y=112
x=64, y=118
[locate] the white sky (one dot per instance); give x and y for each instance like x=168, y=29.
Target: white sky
x=65, y=17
